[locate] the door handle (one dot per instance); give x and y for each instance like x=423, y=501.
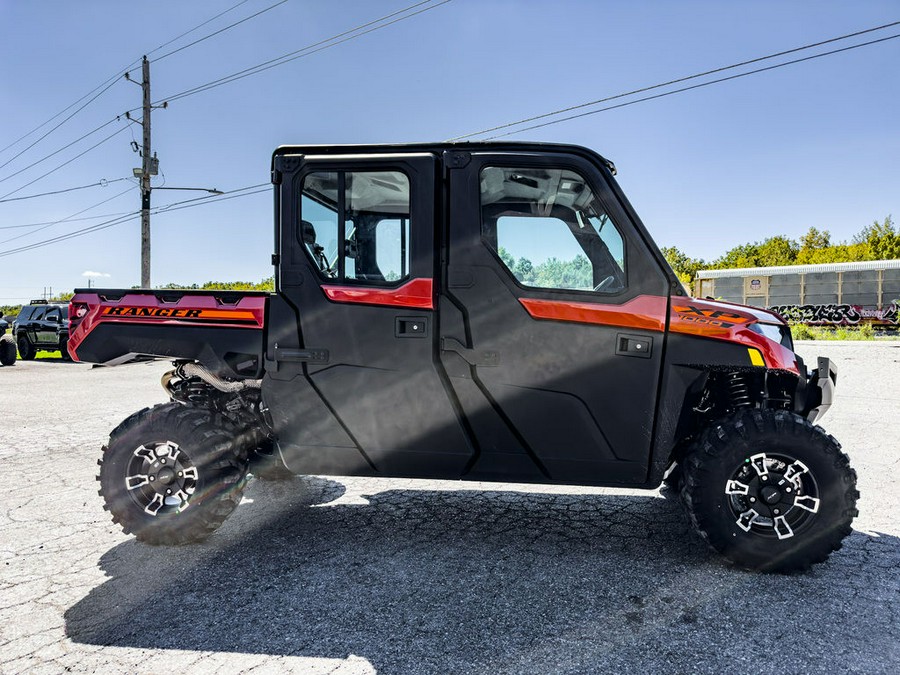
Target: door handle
x=634, y=345
x=410, y=327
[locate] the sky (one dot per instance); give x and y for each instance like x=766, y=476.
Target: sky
x=815, y=144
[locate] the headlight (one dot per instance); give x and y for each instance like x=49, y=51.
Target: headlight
x=776, y=332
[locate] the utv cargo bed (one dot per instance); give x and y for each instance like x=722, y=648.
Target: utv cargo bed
x=116, y=326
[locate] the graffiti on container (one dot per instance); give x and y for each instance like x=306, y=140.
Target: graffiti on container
x=836, y=315
x=890, y=314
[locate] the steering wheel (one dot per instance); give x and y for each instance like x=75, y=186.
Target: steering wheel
x=603, y=285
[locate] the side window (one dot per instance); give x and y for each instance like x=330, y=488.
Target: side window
x=550, y=231
x=355, y=225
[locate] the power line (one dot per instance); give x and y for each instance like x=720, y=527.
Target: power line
x=221, y=30
x=67, y=162
x=676, y=81
x=56, y=152
x=68, y=220
x=309, y=49
x=197, y=27
x=72, y=235
x=34, y=143
x=206, y=198
x=695, y=86
x=353, y=33
x=127, y=217
x=106, y=83
x=101, y=183
x=95, y=93
x=62, y=220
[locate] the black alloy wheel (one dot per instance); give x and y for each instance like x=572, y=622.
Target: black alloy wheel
x=769, y=491
x=172, y=474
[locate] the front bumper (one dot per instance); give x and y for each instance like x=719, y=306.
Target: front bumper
x=819, y=390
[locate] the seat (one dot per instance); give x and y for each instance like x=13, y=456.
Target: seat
x=308, y=234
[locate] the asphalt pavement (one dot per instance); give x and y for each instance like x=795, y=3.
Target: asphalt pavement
x=331, y=575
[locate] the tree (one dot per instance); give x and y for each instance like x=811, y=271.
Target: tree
x=684, y=266
x=813, y=245
x=523, y=270
x=881, y=238
x=814, y=239
x=776, y=251
x=10, y=310
x=555, y=273
x=507, y=258
x=878, y=241
x=744, y=255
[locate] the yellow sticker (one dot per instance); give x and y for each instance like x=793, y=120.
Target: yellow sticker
x=755, y=357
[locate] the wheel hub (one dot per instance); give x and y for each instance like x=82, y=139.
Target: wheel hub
x=161, y=478
x=166, y=476
x=772, y=495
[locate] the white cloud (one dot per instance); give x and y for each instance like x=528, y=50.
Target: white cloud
x=88, y=273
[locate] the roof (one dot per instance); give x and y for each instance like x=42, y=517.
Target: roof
x=800, y=269
x=464, y=146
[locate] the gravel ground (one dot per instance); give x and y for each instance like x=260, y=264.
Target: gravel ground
x=394, y=576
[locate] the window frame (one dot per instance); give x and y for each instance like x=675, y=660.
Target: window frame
x=341, y=169
x=524, y=163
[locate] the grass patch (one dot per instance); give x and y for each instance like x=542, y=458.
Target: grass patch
x=40, y=356
x=803, y=332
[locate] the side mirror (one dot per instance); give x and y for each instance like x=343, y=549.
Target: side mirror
x=55, y=318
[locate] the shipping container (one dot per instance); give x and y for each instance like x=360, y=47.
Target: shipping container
x=827, y=294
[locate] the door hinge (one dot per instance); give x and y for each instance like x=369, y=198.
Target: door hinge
x=456, y=159
x=474, y=357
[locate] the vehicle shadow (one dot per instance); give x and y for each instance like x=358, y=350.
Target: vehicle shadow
x=484, y=581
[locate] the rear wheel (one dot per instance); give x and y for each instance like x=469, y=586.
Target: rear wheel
x=769, y=491
x=26, y=349
x=172, y=474
x=7, y=350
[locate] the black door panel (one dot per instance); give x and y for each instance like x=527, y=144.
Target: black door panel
x=578, y=410
x=380, y=383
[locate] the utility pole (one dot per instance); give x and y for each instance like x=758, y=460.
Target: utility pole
x=145, y=179
x=149, y=167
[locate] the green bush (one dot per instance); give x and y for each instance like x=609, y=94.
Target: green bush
x=804, y=332
x=800, y=331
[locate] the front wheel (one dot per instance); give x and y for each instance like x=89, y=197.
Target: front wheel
x=7, y=350
x=172, y=474
x=769, y=491
x=26, y=349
